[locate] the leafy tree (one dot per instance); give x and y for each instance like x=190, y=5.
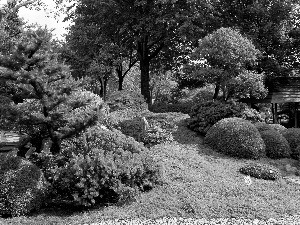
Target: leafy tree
x=51, y=102
x=266, y=22
x=149, y=27
x=227, y=53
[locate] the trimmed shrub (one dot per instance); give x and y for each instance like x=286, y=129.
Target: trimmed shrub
x=261, y=171
x=260, y=126
x=236, y=137
x=277, y=146
x=23, y=187
x=121, y=100
x=292, y=135
x=278, y=127
x=205, y=115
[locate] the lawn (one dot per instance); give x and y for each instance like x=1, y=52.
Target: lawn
x=198, y=183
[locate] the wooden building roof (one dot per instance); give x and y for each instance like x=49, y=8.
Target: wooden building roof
x=281, y=89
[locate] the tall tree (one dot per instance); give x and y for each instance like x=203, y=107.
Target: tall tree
x=266, y=22
x=147, y=26
x=227, y=54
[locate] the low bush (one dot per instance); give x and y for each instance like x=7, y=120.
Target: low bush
x=277, y=146
x=278, y=127
x=261, y=171
x=23, y=187
x=260, y=126
x=121, y=100
x=106, y=166
x=236, y=137
x=183, y=107
x=156, y=135
x=292, y=135
x=160, y=128
x=205, y=115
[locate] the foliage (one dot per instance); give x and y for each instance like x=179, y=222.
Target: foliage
x=126, y=100
x=160, y=128
x=267, y=23
x=248, y=84
x=51, y=103
x=156, y=135
x=261, y=171
x=236, y=137
x=226, y=53
x=184, y=107
x=150, y=29
x=276, y=145
x=23, y=187
x=278, y=127
x=292, y=135
x=105, y=166
x=161, y=84
x=206, y=114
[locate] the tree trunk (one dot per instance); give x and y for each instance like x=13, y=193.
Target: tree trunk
x=121, y=79
x=143, y=53
x=217, y=89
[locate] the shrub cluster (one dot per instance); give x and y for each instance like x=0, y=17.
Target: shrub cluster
x=23, y=187
x=205, y=115
x=103, y=166
x=292, y=135
x=278, y=127
x=261, y=171
x=236, y=137
x=121, y=100
x=157, y=135
x=183, y=107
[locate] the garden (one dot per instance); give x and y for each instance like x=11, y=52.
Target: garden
x=146, y=125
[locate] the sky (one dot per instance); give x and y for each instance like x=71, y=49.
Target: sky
x=43, y=18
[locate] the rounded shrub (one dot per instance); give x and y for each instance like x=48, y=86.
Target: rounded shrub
x=292, y=135
x=260, y=126
x=261, y=171
x=278, y=127
x=277, y=146
x=236, y=137
x=205, y=115
x=23, y=187
x=156, y=135
x=121, y=100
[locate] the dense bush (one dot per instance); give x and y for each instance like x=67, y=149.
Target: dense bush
x=261, y=171
x=160, y=128
x=276, y=145
x=97, y=137
x=23, y=187
x=292, y=135
x=236, y=137
x=260, y=126
x=156, y=135
x=127, y=100
x=278, y=127
x=183, y=107
x=205, y=115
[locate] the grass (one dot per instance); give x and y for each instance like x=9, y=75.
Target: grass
x=198, y=183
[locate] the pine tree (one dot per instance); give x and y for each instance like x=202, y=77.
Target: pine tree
x=45, y=101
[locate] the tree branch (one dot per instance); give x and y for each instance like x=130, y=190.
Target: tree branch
x=156, y=51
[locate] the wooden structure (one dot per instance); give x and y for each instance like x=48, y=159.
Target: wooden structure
x=281, y=90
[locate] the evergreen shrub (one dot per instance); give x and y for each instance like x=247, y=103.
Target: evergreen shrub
x=277, y=146
x=205, y=115
x=292, y=135
x=23, y=187
x=278, y=127
x=236, y=137
x=105, y=166
x=261, y=171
